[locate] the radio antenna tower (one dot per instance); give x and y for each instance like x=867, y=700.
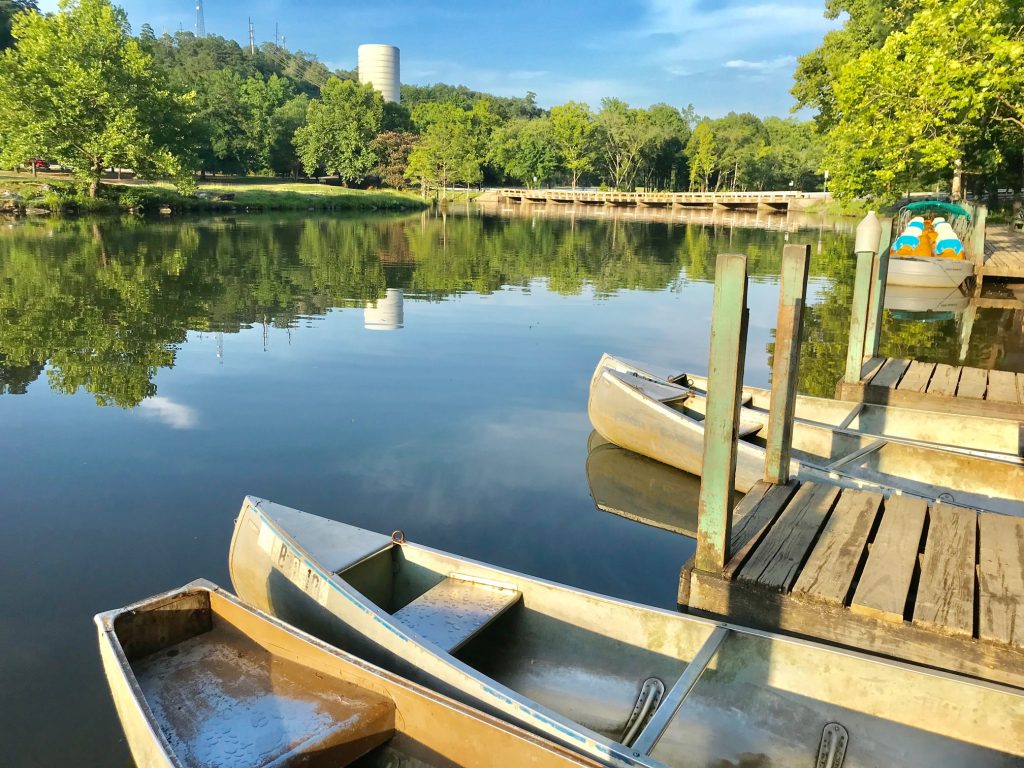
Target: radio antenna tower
x=200, y=21
x=252, y=38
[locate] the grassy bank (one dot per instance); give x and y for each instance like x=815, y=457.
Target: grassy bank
x=20, y=194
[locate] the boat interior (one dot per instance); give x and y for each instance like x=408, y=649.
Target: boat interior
x=226, y=687
x=682, y=690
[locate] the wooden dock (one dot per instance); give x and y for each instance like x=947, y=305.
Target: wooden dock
x=937, y=585
x=937, y=387
x=1004, y=254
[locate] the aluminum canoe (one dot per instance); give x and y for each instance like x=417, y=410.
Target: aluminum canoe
x=620, y=682
x=200, y=679
x=971, y=461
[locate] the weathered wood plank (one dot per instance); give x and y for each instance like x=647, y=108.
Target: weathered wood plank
x=870, y=368
x=1001, y=579
x=944, y=379
x=1020, y=388
x=885, y=582
x=777, y=560
x=973, y=382
x=1002, y=385
x=829, y=571
x=748, y=604
x=750, y=529
x=917, y=377
x=891, y=373
x=945, y=593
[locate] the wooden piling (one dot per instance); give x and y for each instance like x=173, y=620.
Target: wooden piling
x=879, y=275
x=721, y=423
x=786, y=362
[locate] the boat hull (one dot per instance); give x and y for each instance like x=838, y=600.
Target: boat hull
x=640, y=411
x=732, y=693
x=928, y=272
x=199, y=679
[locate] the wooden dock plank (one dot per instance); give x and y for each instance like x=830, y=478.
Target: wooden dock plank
x=973, y=382
x=748, y=531
x=945, y=594
x=1002, y=385
x=944, y=380
x=776, y=561
x=885, y=583
x=917, y=377
x=871, y=367
x=1001, y=579
x=829, y=571
x=891, y=373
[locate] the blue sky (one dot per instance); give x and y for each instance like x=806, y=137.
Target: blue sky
x=719, y=56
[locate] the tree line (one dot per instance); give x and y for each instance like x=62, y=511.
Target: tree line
x=174, y=106
x=922, y=94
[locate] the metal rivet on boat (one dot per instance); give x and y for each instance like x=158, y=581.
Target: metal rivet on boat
x=946, y=497
x=398, y=537
x=832, y=749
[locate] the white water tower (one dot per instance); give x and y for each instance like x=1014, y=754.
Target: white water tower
x=379, y=65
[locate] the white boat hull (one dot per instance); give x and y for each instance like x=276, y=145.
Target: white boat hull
x=928, y=272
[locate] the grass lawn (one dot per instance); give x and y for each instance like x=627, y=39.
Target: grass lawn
x=58, y=193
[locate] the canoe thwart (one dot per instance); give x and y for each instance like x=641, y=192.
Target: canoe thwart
x=453, y=611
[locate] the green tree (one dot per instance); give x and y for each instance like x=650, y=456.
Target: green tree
x=525, y=150
x=262, y=101
x=289, y=117
x=866, y=25
x=451, y=147
x=925, y=106
x=739, y=141
x=626, y=134
x=77, y=88
x=665, y=162
x=575, y=135
x=339, y=130
x=702, y=155
x=8, y=9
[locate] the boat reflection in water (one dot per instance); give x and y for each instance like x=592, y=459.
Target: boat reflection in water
x=642, y=489
x=916, y=303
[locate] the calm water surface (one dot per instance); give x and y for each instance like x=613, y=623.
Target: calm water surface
x=151, y=373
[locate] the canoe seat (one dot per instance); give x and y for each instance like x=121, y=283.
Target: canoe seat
x=453, y=611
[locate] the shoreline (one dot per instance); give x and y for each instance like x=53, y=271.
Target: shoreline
x=52, y=195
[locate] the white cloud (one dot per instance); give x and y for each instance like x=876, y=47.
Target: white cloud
x=768, y=65
x=166, y=411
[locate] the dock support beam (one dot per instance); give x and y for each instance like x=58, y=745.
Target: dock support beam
x=721, y=424
x=786, y=362
x=869, y=232
x=879, y=276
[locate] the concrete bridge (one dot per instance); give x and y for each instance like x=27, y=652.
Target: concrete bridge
x=774, y=201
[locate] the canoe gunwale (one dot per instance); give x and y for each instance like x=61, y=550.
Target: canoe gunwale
x=548, y=723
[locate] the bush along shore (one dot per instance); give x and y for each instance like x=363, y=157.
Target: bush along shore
x=42, y=196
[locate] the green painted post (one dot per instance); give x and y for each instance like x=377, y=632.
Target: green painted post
x=869, y=232
x=879, y=274
x=721, y=423
x=786, y=362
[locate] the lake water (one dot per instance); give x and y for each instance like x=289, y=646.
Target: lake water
x=422, y=373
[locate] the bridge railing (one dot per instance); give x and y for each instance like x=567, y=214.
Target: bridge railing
x=681, y=197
